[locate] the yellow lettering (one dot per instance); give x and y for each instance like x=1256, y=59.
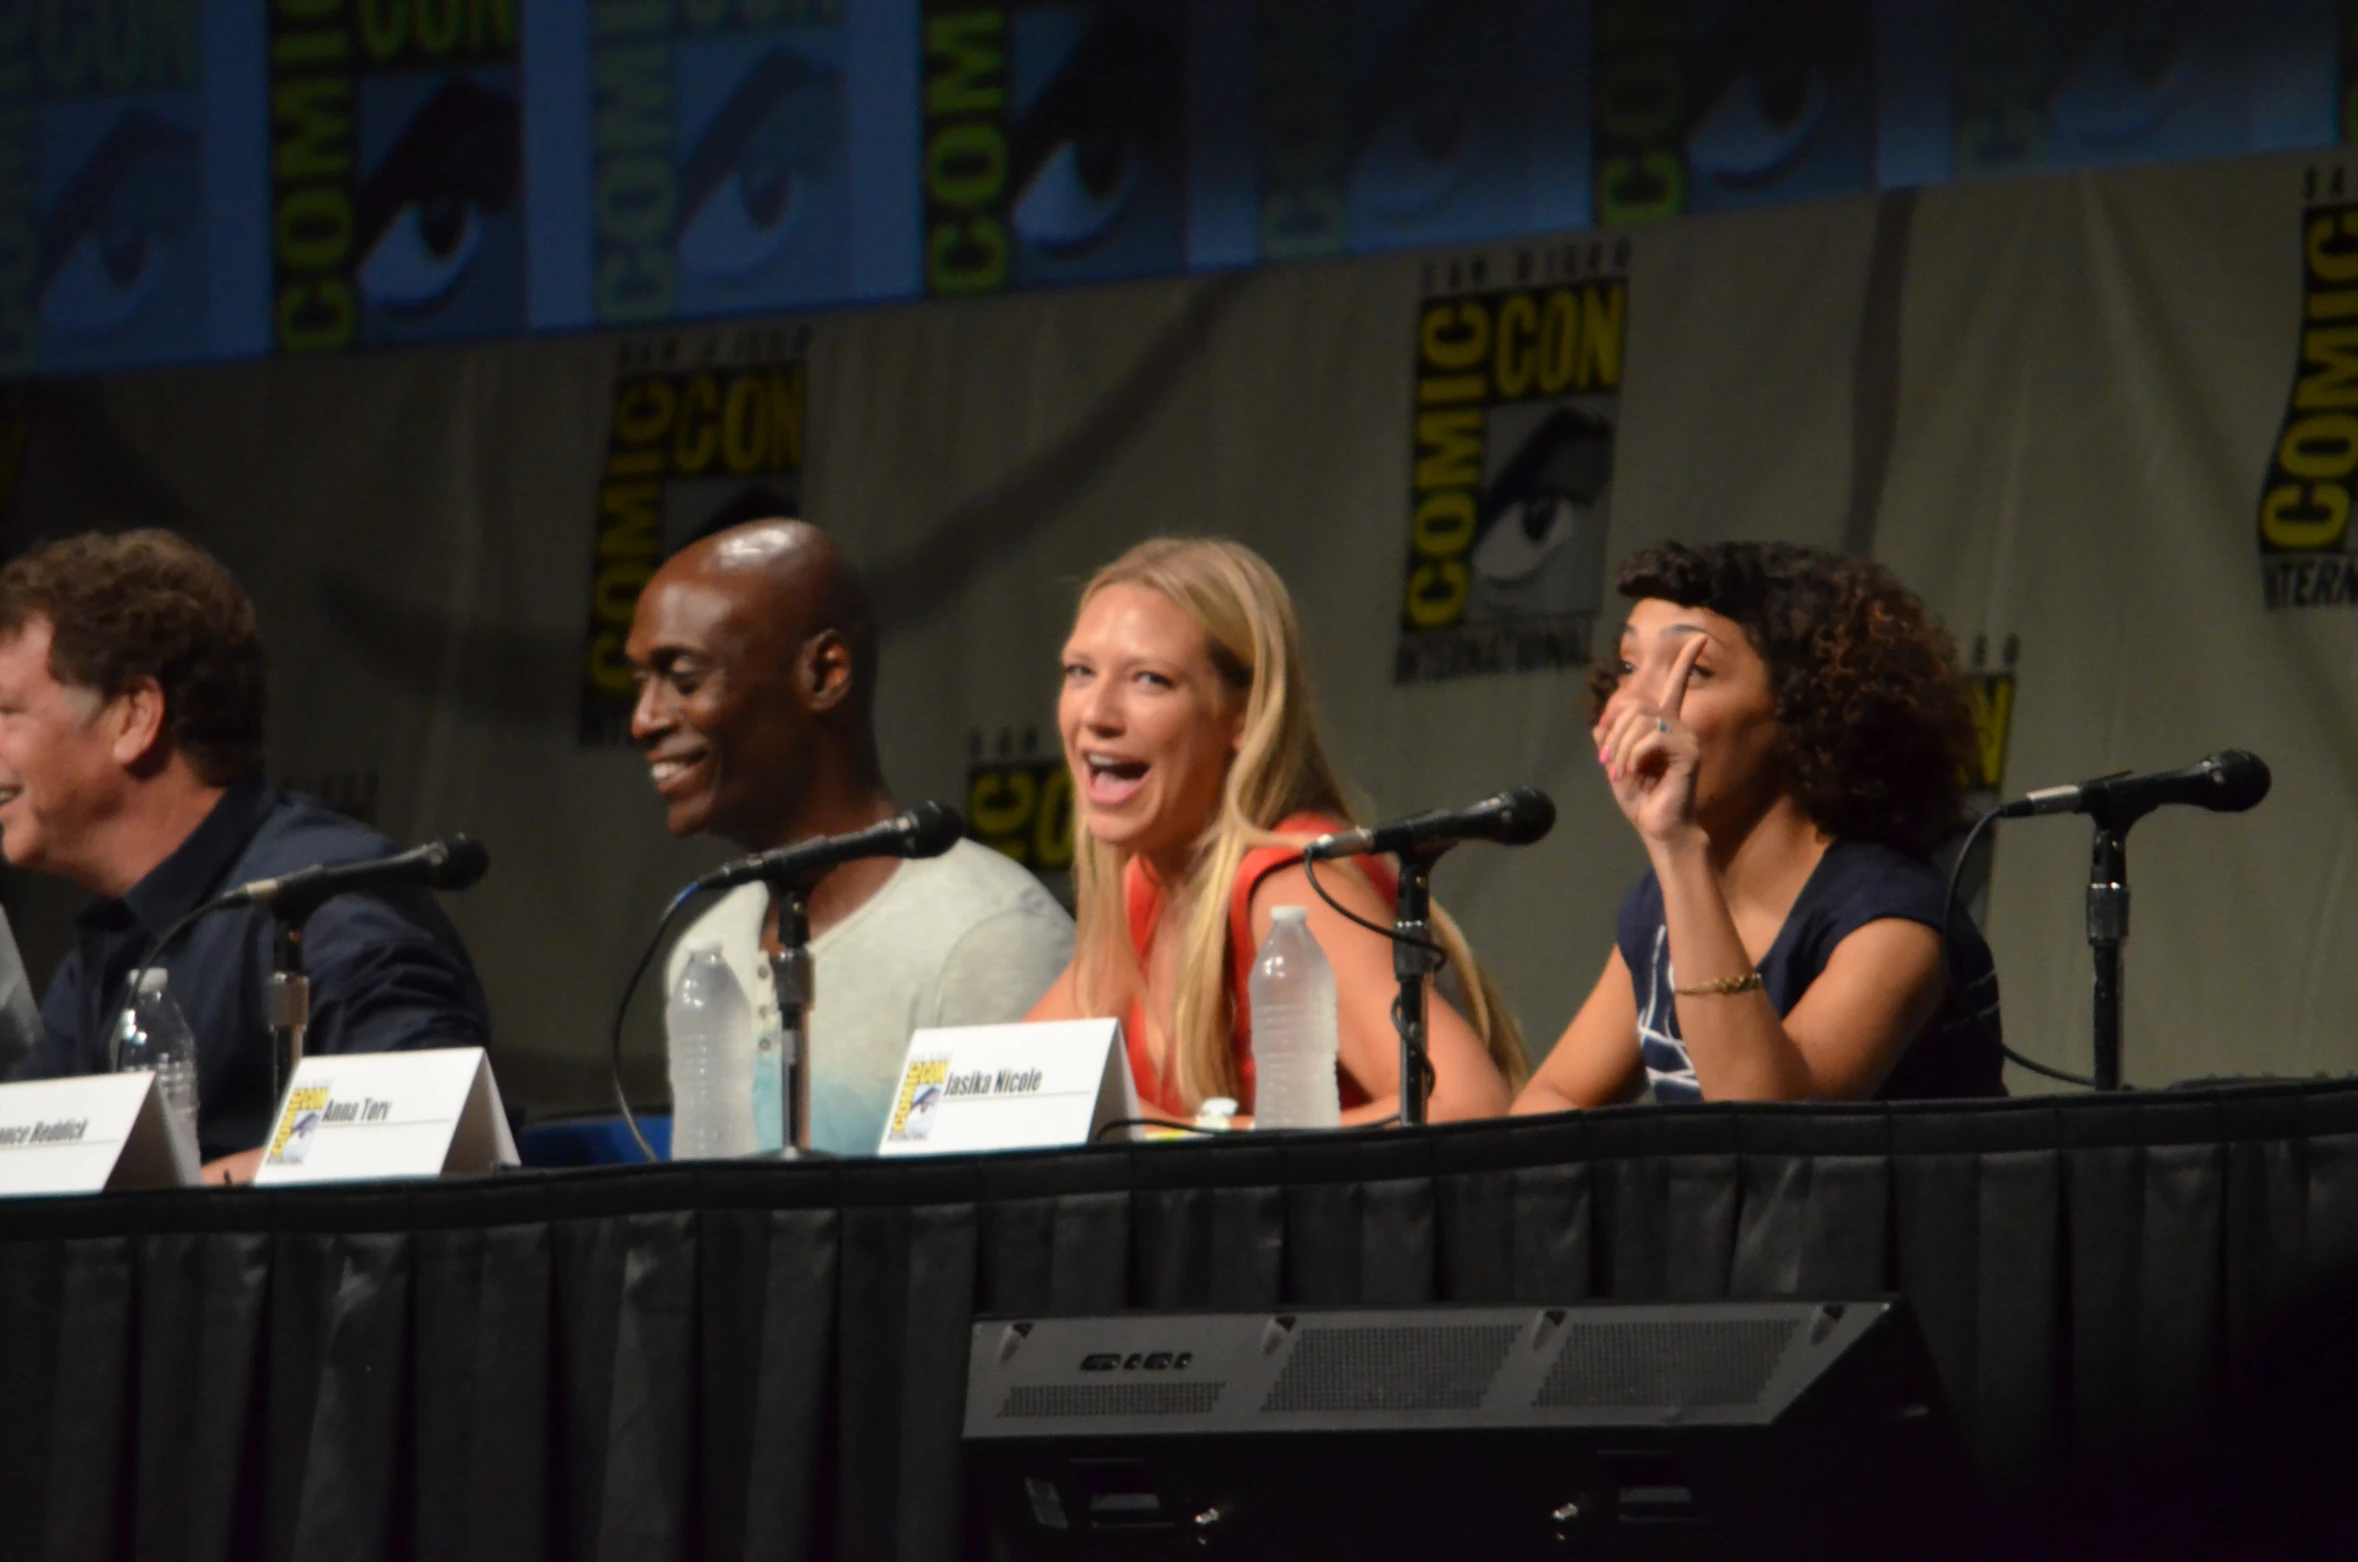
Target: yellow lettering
x=698, y=440
x=1436, y=593
x=1518, y=364
x=973, y=63
x=2322, y=445
x=2333, y=354
x=1449, y=446
x=2293, y=517
x=1455, y=336
x=2332, y=255
x=1603, y=312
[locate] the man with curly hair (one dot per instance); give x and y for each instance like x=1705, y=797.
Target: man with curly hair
x=1785, y=730
x=132, y=696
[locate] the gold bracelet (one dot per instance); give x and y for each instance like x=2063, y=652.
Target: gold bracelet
x=1749, y=982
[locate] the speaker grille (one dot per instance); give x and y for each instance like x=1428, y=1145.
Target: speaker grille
x=1673, y=1365
x=1109, y=1399
x=1397, y=1368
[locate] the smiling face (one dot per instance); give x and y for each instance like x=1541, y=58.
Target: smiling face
x=1149, y=724
x=59, y=772
x=1729, y=704
x=726, y=734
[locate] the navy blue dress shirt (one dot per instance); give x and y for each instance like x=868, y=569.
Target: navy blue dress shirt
x=387, y=969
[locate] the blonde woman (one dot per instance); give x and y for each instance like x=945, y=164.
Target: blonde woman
x=1197, y=775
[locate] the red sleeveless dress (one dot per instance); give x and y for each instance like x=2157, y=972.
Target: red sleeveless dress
x=1143, y=898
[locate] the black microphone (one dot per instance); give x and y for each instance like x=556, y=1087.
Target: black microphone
x=455, y=862
x=2228, y=782
x=1515, y=817
x=923, y=830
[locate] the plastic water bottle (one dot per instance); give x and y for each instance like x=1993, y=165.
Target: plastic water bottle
x=156, y=1038
x=1292, y=992
x=708, y=1030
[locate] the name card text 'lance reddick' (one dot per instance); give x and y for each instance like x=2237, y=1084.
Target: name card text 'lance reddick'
x=65, y=1130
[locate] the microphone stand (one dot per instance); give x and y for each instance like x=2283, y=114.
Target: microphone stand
x=289, y=999
x=791, y=980
x=2108, y=929
x=1415, y=961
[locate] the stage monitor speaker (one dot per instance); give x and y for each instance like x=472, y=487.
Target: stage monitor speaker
x=1722, y=1430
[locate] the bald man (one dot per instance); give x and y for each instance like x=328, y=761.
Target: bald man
x=755, y=651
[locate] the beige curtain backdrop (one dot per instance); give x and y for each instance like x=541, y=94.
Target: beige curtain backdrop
x=2049, y=404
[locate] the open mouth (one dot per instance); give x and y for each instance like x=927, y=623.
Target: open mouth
x=1109, y=780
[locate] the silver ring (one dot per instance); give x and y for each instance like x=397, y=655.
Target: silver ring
x=1661, y=724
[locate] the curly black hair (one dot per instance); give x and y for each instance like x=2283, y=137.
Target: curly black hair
x=149, y=604
x=1875, y=732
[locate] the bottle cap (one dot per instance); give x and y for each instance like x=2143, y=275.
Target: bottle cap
x=1216, y=1112
x=151, y=981
x=1290, y=914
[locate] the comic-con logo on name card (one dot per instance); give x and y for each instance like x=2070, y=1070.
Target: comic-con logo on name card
x=1515, y=420
x=397, y=173
x=2304, y=513
x=705, y=433
x=922, y=1087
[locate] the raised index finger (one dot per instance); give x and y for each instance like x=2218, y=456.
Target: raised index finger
x=1675, y=694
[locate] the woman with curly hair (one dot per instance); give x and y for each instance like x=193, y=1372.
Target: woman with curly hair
x=1785, y=730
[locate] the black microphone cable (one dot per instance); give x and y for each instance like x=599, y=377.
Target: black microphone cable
x=1310, y=868
x=630, y=989
x=1948, y=948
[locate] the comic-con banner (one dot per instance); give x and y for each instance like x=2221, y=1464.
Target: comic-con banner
x=396, y=168
x=115, y=122
x=1712, y=107
x=1389, y=124
x=1019, y=801
x=2014, y=86
x=1054, y=143
x=2304, y=511
x=1989, y=695
x=1515, y=420
x=708, y=158
x=705, y=433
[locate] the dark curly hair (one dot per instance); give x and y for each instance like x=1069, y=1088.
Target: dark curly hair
x=1875, y=732
x=149, y=604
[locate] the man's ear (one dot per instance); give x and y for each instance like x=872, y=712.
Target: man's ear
x=826, y=671
x=137, y=716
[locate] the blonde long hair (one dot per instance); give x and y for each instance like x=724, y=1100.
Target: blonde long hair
x=1280, y=769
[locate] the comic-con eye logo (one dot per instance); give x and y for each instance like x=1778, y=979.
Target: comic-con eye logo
x=705, y=433
x=396, y=170
x=1053, y=142
x=2304, y=513
x=1517, y=405
x=102, y=246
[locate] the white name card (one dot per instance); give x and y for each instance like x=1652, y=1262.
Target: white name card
x=356, y=1115
x=1009, y=1087
x=96, y=1134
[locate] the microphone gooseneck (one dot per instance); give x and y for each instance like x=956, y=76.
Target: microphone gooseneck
x=921, y=830
x=452, y=863
x=1515, y=817
x=2229, y=781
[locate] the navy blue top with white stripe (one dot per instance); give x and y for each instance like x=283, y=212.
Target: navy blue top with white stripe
x=1854, y=883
